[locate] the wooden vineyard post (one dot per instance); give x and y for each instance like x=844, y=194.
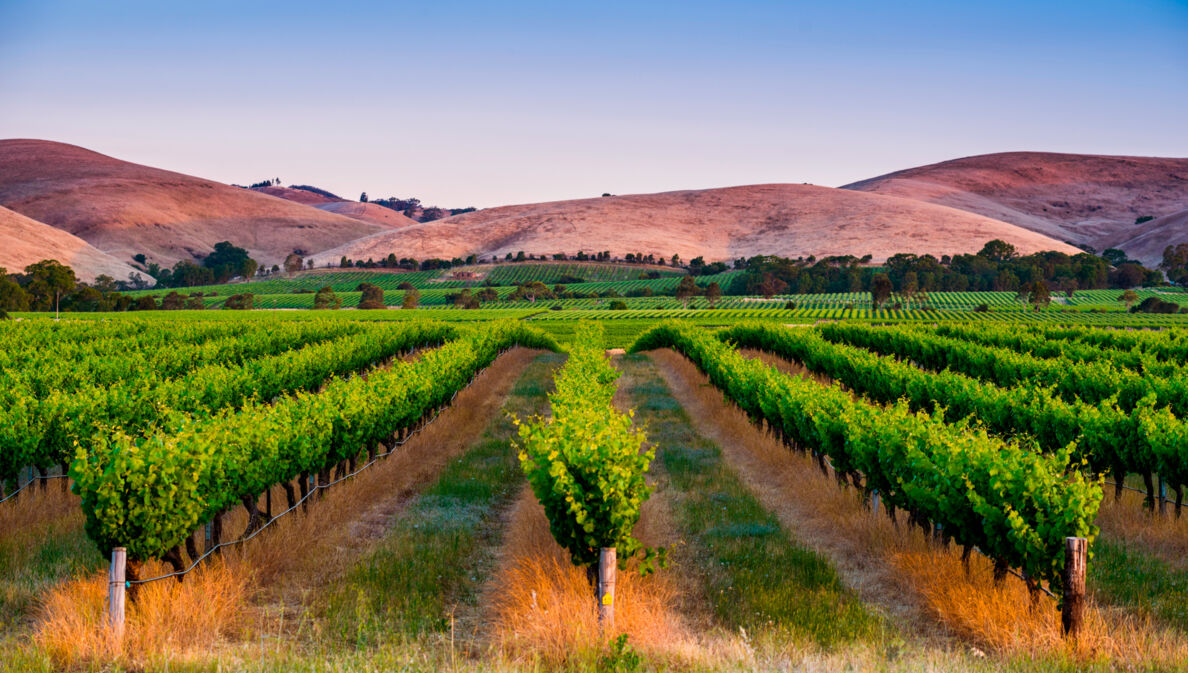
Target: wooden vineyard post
x=874, y=502
x=607, y=565
x=115, y=591
x=1076, y=553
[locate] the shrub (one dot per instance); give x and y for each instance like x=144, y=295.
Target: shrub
x=239, y=302
x=373, y=296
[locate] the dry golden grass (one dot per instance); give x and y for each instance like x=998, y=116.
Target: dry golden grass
x=542, y=607
x=169, y=619
x=1004, y=618
x=921, y=584
x=269, y=585
x=34, y=509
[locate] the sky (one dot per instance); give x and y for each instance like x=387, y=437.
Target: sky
x=491, y=103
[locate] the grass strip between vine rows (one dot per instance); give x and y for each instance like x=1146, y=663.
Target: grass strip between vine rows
x=1014, y=504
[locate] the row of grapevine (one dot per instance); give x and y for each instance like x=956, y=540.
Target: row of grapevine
x=119, y=362
x=585, y=464
x=209, y=465
x=1033, y=343
x=1016, y=505
x=1141, y=441
x=1087, y=381
x=1164, y=345
x=513, y=274
x=44, y=431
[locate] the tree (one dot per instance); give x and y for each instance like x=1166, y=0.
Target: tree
x=1175, y=263
x=880, y=290
x=373, y=296
x=487, y=294
x=240, y=302
x=1038, y=296
x=532, y=291
x=103, y=283
x=618, y=305
x=1129, y=274
x=998, y=250
x=294, y=263
x=228, y=261
x=47, y=281
x=188, y=274
x=173, y=302
x=145, y=303
x=1115, y=256
x=411, y=298
x=12, y=296
x=713, y=293
x=363, y=197
x=909, y=286
x=676, y=260
x=771, y=285
x=686, y=289
x=326, y=299
x=1157, y=305
x=1128, y=297
x=465, y=299
x=344, y=263
x=195, y=303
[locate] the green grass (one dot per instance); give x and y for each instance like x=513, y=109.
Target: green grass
x=29, y=567
x=439, y=553
x=1131, y=578
x=757, y=577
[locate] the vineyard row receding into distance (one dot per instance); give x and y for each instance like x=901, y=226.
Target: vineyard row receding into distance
x=998, y=438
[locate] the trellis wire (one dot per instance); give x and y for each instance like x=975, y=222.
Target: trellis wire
x=316, y=488
x=31, y=481
x=983, y=554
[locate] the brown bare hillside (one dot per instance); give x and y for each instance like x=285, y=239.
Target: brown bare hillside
x=1145, y=242
x=296, y=195
x=1082, y=198
x=369, y=212
x=123, y=208
x=719, y=224
x=24, y=241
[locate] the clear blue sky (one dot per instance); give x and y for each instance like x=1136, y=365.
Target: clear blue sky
x=469, y=103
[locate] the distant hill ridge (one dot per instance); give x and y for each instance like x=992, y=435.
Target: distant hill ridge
x=1033, y=200
x=1083, y=198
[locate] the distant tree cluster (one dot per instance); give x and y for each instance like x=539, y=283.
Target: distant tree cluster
x=50, y=286
x=413, y=208
x=1175, y=263
x=996, y=267
x=224, y=263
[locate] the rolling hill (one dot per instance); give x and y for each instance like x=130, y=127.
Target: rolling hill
x=1080, y=198
x=719, y=224
x=368, y=212
x=24, y=241
x=1146, y=241
x=123, y=208
x=364, y=212
x=296, y=195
